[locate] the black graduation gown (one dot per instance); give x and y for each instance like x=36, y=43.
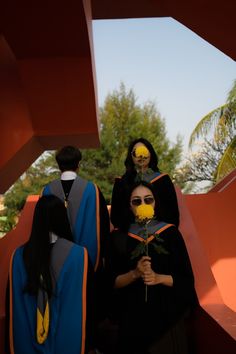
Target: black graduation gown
x=143, y=324
x=103, y=230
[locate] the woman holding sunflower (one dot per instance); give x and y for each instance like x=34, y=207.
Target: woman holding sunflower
x=152, y=279
x=142, y=164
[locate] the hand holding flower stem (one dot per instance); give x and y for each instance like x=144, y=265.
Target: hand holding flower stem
x=145, y=213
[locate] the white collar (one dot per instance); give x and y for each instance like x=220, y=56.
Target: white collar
x=68, y=175
x=52, y=237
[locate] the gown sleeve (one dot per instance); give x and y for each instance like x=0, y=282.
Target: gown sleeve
x=167, y=200
x=116, y=202
x=100, y=280
x=104, y=223
x=183, y=278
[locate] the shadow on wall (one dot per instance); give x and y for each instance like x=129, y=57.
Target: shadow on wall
x=208, y=226
x=213, y=215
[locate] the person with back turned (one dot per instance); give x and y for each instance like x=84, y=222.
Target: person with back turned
x=50, y=291
x=88, y=216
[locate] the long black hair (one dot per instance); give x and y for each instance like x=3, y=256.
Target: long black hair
x=128, y=216
x=153, y=164
x=50, y=215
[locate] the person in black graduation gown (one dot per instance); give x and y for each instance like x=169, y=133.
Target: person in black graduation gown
x=86, y=206
x=50, y=301
x=88, y=216
x=165, y=190
x=156, y=324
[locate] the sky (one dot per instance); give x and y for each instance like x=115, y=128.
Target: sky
x=165, y=62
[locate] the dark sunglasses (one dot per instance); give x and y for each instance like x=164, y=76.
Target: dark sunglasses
x=139, y=201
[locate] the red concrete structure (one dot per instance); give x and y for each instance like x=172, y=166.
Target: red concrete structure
x=47, y=82
x=215, y=323
x=48, y=99
x=47, y=76
x=208, y=225
x=213, y=215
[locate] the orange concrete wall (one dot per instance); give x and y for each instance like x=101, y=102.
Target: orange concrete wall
x=214, y=324
x=215, y=221
x=47, y=82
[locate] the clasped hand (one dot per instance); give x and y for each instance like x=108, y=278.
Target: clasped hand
x=146, y=272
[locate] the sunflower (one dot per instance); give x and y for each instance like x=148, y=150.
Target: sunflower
x=144, y=212
x=141, y=152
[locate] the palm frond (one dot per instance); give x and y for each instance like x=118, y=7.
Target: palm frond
x=232, y=93
x=206, y=123
x=222, y=128
x=228, y=161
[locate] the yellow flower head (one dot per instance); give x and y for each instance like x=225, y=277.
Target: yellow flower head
x=141, y=152
x=144, y=212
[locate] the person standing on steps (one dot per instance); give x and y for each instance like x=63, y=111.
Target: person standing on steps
x=88, y=216
x=86, y=206
x=141, y=163
x=150, y=272
x=50, y=291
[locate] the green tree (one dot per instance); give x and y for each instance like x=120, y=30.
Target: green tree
x=31, y=182
x=121, y=120
x=204, y=164
x=221, y=123
x=198, y=171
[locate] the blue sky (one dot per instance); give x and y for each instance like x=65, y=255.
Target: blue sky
x=165, y=62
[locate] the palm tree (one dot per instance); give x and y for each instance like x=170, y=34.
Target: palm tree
x=222, y=123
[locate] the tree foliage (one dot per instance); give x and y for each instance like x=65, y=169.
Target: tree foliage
x=218, y=120
x=31, y=182
x=121, y=121
x=208, y=163
x=221, y=124
x=212, y=146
